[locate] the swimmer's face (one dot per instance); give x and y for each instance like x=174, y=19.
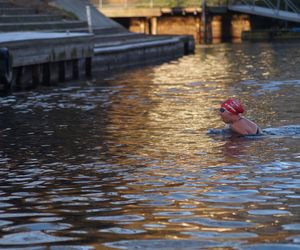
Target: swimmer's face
x=225, y=115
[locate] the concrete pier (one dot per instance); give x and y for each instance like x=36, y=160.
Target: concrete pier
x=41, y=58
x=47, y=58
x=121, y=56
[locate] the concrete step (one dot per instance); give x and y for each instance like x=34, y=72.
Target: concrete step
x=29, y=18
x=16, y=11
x=109, y=30
x=117, y=38
x=127, y=40
x=104, y=31
x=6, y=4
x=64, y=25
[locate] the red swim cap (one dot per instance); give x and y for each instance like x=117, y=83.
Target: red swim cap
x=233, y=106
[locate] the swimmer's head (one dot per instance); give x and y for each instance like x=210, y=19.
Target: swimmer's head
x=233, y=106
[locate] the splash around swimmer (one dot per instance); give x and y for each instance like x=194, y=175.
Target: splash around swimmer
x=231, y=112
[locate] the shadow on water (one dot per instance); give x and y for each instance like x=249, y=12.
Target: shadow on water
x=125, y=162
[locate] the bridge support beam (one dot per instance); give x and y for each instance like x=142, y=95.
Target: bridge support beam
x=153, y=25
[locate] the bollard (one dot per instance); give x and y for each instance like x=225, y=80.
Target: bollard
x=6, y=71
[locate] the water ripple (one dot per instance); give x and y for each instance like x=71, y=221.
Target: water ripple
x=269, y=212
x=38, y=227
x=20, y=215
x=168, y=244
x=117, y=218
x=214, y=223
x=118, y=230
x=218, y=235
x=126, y=162
x=271, y=247
x=295, y=226
x=29, y=238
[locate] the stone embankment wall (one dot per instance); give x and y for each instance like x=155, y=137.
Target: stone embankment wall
x=220, y=27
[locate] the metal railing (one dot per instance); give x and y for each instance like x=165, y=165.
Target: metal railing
x=275, y=5
x=156, y=3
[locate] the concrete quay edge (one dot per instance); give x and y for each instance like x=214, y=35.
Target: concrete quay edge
x=109, y=60
x=42, y=58
x=31, y=48
x=34, y=36
x=140, y=45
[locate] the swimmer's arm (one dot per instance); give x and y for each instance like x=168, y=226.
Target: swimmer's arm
x=239, y=130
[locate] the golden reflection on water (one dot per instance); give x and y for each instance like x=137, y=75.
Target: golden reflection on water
x=165, y=131
x=173, y=114
x=140, y=165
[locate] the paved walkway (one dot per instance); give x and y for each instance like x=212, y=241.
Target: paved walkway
x=27, y=36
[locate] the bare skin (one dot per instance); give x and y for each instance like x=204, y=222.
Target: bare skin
x=239, y=124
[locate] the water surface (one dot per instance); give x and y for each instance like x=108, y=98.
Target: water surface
x=125, y=162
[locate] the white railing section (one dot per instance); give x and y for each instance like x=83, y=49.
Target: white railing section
x=155, y=3
x=280, y=9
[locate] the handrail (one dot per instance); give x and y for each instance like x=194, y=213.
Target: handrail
x=275, y=5
x=293, y=6
x=156, y=3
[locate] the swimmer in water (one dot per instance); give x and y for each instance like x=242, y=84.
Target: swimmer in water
x=230, y=113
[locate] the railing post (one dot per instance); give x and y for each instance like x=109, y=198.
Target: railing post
x=89, y=18
x=153, y=25
x=286, y=9
x=278, y=6
x=204, y=21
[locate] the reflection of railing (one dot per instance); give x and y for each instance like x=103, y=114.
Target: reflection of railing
x=274, y=5
x=156, y=3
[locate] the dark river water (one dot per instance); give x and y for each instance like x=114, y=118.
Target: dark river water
x=125, y=162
